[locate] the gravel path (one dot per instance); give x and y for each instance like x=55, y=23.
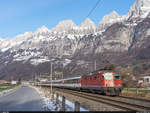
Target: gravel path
x=23, y=99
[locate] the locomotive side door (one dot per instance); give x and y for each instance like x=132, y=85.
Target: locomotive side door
x=84, y=81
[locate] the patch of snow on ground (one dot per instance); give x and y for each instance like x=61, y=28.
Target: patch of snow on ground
x=50, y=104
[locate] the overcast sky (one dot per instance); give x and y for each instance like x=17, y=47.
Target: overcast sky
x=19, y=16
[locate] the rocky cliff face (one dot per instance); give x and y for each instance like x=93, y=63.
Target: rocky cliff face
x=118, y=39
x=110, y=19
x=140, y=9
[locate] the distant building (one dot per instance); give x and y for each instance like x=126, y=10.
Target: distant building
x=13, y=82
x=43, y=80
x=144, y=81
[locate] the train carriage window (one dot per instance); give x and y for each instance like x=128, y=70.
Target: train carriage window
x=72, y=81
x=66, y=81
x=75, y=81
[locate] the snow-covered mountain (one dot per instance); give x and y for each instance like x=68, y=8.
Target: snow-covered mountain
x=110, y=19
x=74, y=47
x=64, y=26
x=140, y=8
x=88, y=24
x=43, y=29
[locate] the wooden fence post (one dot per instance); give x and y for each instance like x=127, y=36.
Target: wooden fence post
x=136, y=90
x=52, y=95
x=127, y=91
x=63, y=103
x=77, y=106
x=57, y=101
x=57, y=98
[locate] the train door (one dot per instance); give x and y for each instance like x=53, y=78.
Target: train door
x=84, y=81
x=99, y=80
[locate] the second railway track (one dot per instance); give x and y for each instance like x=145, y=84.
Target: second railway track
x=117, y=102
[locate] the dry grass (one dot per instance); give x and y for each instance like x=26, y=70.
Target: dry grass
x=147, y=96
x=135, y=94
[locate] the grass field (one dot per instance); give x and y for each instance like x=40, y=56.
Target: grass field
x=6, y=87
x=140, y=90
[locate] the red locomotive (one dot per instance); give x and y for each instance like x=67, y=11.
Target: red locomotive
x=102, y=81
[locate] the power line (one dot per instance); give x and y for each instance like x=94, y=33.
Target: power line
x=98, y=1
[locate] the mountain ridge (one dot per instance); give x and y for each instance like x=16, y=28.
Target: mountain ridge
x=73, y=49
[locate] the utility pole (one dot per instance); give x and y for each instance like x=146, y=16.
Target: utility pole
x=62, y=75
x=34, y=79
x=95, y=65
x=51, y=78
x=40, y=80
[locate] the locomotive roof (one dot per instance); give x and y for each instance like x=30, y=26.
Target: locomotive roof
x=103, y=70
x=100, y=71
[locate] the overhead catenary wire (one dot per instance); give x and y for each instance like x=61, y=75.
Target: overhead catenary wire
x=91, y=11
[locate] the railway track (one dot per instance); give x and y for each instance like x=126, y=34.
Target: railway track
x=136, y=98
x=118, y=102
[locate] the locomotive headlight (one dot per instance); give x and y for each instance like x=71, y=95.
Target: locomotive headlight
x=119, y=84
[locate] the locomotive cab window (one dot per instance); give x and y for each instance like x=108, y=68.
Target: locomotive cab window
x=102, y=77
x=117, y=76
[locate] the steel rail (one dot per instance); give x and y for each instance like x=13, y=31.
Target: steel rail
x=107, y=100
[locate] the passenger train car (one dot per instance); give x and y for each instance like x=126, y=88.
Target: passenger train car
x=104, y=82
